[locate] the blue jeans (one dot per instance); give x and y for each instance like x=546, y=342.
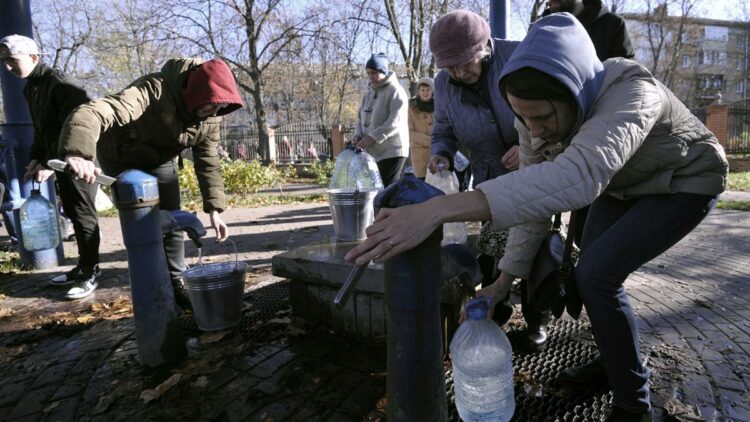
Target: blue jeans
x=618, y=238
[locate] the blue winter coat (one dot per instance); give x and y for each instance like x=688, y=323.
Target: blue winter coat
x=479, y=121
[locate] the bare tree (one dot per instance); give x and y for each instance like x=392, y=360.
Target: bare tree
x=63, y=29
x=268, y=29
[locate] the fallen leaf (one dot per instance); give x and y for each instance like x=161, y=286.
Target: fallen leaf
x=310, y=229
x=213, y=337
x=153, y=394
x=286, y=320
x=682, y=412
x=85, y=319
x=5, y=312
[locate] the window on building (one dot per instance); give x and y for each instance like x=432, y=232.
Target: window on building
x=721, y=57
x=685, y=61
x=710, y=82
x=740, y=41
x=739, y=87
x=716, y=33
x=740, y=64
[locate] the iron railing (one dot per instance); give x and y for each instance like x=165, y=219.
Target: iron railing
x=738, y=128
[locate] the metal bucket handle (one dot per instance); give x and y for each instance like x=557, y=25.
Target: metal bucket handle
x=236, y=256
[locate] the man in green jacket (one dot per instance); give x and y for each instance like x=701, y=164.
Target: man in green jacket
x=51, y=97
x=147, y=125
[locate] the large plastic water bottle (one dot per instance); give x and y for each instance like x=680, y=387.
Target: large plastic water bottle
x=39, y=225
x=482, y=367
x=446, y=181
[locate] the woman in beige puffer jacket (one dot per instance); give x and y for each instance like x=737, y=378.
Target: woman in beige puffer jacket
x=421, y=109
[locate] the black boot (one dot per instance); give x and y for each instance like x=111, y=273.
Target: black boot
x=589, y=375
x=536, y=338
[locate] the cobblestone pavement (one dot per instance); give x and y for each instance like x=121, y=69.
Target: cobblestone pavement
x=78, y=360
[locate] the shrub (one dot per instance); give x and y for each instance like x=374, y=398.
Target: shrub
x=321, y=171
x=240, y=177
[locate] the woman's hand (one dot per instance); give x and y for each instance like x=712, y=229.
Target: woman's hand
x=222, y=231
x=395, y=230
x=436, y=161
x=364, y=142
x=497, y=291
x=511, y=159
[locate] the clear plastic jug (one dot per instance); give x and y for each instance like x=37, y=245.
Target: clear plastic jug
x=446, y=181
x=39, y=226
x=355, y=170
x=354, y=184
x=482, y=361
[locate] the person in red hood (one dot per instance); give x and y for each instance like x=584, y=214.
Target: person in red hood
x=147, y=125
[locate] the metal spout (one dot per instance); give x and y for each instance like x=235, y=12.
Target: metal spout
x=186, y=221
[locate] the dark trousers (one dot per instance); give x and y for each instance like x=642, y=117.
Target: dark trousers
x=169, y=200
x=79, y=203
x=390, y=169
x=618, y=238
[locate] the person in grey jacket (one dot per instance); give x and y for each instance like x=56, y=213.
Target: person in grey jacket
x=383, y=120
x=610, y=135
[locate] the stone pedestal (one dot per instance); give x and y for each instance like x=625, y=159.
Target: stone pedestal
x=316, y=273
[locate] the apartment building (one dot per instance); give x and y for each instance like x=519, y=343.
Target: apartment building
x=701, y=60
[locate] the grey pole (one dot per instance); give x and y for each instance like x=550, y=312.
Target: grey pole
x=158, y=335
x=499, y=18
x=18, y=134
x=415, y=378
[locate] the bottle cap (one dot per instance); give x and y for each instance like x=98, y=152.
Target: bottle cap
x=476, y=310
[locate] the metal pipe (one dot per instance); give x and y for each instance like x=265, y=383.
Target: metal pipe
x=15, y=18
x=158, y=335
x=415, y=380
x=499, y=18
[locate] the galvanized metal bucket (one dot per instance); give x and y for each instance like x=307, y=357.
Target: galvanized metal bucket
x=352, y=212
x=215, y=291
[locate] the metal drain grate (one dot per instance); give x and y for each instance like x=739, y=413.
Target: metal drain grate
x=569, y=344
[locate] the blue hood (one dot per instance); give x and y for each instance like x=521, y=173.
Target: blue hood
x=559, y=46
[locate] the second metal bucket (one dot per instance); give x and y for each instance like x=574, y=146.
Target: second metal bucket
x=215, y=291
x=352, y=212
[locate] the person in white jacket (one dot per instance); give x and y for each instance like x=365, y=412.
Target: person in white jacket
x=383, y=120
x=606, y=134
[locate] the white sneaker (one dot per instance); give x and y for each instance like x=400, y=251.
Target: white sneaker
x=82, y=289
x=76, y=274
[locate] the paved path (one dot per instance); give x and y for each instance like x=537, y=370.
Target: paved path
x=77, y=360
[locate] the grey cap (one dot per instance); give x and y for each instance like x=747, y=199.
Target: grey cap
x=17, y=45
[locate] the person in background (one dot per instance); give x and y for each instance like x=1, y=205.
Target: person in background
x=607, y=30
x=606, y=134
x=421, y=107
x=51, y=96
x=470, y=114
x=383, y=120
x=146, y=126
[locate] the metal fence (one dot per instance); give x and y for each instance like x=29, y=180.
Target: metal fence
x=296, y=143
x=738, y=128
